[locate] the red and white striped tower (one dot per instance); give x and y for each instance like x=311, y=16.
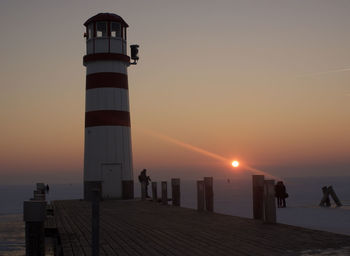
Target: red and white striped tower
x=107, y=151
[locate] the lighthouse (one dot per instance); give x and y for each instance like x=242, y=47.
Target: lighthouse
x=107, y=149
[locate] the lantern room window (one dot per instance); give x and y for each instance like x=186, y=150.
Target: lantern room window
x=115, y=29
x=101, y=29
x=90, y=31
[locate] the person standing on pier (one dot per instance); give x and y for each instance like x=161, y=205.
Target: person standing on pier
x=281, y=194
x=146, y=179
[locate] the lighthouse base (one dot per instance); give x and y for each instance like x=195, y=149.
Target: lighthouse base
x=89, y=187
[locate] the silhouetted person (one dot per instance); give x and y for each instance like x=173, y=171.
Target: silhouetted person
x=47, y=188
x=146, y=179
x=325, y=202
x=281, y=194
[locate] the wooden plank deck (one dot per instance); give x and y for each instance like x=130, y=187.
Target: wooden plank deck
x=147, y=228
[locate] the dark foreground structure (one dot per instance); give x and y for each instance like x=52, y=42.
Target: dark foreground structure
x=135, y=227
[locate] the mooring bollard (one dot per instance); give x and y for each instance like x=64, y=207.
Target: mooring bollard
x=95, y=222
x=128, y=189
x=175, y=191
x=200, y=195
x=269, y=202
x=209, y=194
x=164, y=192
x=143, y=190
x=258, y=197
x=154, y=191
x=34, y=215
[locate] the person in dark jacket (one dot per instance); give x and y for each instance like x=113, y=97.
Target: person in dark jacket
x=144, y=178
x=281, y=194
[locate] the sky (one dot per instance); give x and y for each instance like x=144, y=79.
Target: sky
x=264, y=82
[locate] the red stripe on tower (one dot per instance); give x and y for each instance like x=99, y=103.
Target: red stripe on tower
x=107, y=118
x=106, y=80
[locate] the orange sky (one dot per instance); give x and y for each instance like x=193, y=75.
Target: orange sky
x=243, y=79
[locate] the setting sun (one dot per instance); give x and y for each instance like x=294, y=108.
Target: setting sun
x=235, y=163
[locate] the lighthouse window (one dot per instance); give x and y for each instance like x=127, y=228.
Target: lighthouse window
x=115, y=29
x=101, y=29
x=90, y=31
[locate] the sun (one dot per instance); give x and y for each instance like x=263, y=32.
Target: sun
x=235, y=163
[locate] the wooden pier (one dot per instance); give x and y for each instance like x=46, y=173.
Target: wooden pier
x=135, y=227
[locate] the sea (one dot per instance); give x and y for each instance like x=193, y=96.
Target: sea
x=231, y=196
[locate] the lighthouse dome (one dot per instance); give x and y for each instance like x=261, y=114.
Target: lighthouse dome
x=105, y=16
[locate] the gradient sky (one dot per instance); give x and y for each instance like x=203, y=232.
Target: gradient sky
x=265, y=82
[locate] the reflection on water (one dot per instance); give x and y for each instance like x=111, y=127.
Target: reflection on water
x=12, y=235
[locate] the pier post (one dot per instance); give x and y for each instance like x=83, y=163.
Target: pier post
x=154, y=191
x=200, y=195
x=95, y=221
x=258, y=196
x=209, y=194
x=34, y=215
x=175, y=191
x=128, y=189
x=143, y=190
x=269, y=202
x=164, y=192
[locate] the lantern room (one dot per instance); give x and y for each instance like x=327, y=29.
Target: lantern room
x=105, y=33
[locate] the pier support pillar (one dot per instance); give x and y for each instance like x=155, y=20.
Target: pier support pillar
x=209, y=194
x=154, y=191
x=269, y=202
x=164, y=192
x=128, y=189
x=39, y=195
x=34, y=214
x=200, y=195
x=175, y=190
x=258, y=196
x=95, y=222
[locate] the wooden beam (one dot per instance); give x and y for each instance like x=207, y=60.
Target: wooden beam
x=128, y=189
x=269, y=202
x=164, y=192
x=154, y=191
x=258, y=196
x=200, y=195
x=175, y=191
x=209, y=194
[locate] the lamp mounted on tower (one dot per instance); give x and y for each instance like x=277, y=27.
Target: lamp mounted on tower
x=134, y=49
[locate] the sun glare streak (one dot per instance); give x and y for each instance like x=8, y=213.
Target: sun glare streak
x=210, y=154
x=327, y=72
x=188, y=146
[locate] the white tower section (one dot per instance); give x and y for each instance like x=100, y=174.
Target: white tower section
x=107, y=151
